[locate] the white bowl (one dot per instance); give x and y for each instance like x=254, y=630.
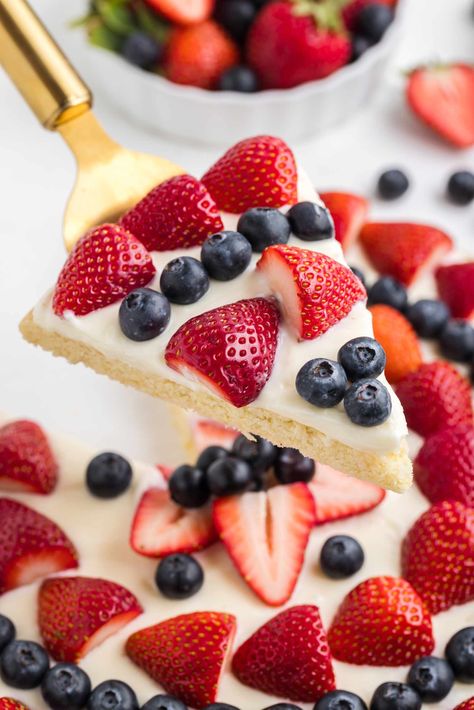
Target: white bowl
x=221, y=118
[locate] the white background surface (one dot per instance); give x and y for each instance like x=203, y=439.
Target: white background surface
x=36, y=174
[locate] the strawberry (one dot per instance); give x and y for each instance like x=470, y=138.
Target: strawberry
x=399, y=340
x=444, y=467
x=26, y=460
x=434, y=397
x=351, y=9
x=349, y=213
x=290, y=43
x=186, y=654
x=438, y=555
x=176, y=214
x=76, y=614
x=104, y=267
x=456, y=288
x=206, y=433
x=31, y=546
x=315, y=291
x=160, y=527
x=340, y=496
x=443, y=97
x=11, y=704
x=257, y=172
x=266, y=535
x=183, y=12
x=403, y=250
x=466, y=705
x=288, y=656
x=381, y=622
x=230, y=349
x=198, y=55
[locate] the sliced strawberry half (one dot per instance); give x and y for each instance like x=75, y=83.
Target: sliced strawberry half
x=398, y=338
x=178, y=213
x=104, y=267
x=77, y=614
x=31, y=546
x=209, y=433
x=340, y=496
x=402, y=249
x=257, y=172
x=230, y=349
x=444, y=467
x=438, y=556
x=288, y=656
x=160, y=527
x=183, y=12
x=435, y=397
x=466, y=705
x=443, y=97
x=381, y=622
x=456, y=288
x=266, y=535
x=314, y=290
x=185, y=655
x=27, y=462
x=349, y=213
x=11, y=704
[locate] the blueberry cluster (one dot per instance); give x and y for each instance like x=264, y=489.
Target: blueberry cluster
x=351, y=380
x=394, y=183
x=145, y=313
x=429, y=317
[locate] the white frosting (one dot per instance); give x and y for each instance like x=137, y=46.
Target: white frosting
x=101, y=330
x=100, y=531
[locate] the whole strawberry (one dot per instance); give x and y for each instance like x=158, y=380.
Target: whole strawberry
x=291, y=43
x=444, y=467
x=438, y=556
x=288, y=656
x=104, y=267
x=381, y=622
x=176, y=214
x=27, y=462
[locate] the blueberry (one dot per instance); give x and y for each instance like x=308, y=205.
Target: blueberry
x=226, y=255
x=220, y=706
x=142, y=50
x=188, y=487
x=283, y=706
x=457, y=340
x=23, y=664
x=461, y=187
x=164, y=702
x=144, y=314
x=311, y=222
x=367, y=403
x=179, y=576
x=373, y=21
x=66, y=687
x=460, y=654
x=235, y=16
x=395, y=696
x=264, y=226
x=340, y=700
x=428, y=317
x=239, y=78
x=260, y=453
x=389, y=291
x=362, y=357
x=7, y=631
x=229, y=475
x=291, y=466
x=392, y=184
x=209, y=455
x=113, y=695
x=184, y=280
x=108, y=475
x=341, y=556
x=359, y=46
x=432, y=678
x=321, y=382
x=359, y=273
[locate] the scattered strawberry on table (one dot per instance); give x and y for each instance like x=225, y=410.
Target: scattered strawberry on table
x=239, y=45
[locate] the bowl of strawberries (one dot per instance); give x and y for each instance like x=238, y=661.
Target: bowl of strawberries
x=215, y=71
